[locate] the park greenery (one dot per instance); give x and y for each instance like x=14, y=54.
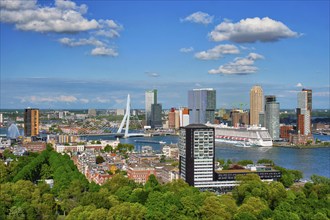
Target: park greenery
x=25, y=195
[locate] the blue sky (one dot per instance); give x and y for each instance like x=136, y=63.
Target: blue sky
x=91, y=54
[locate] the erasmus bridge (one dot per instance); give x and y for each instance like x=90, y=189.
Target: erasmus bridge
x=104, y=126
x=126, y=119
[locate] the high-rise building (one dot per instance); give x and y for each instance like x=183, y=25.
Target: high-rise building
x=1, y=118
x=196, y=154
x=184, y=117
x=171, y=118
x=256, y=104
x=305, y=106
x=31, y=122
x=201, y=104
x=272, y=116
x=156, y=116
x=150, y=99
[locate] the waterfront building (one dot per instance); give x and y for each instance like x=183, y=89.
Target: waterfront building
x=184, y=116
x=304, y=99
x=171, y=118
x=196, y=154
x=272, y=116
x=285, y=131
x=156, y=116
x=150, y=99
x=256, y=104
x=201, y=104
x=1, y=118
x=31, y=122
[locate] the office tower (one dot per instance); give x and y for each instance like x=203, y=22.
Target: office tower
x=300, y=122
x=272, y=116
x=177, y=119
x=156, y=116
x=305, y=106
x=201, y=104
x=150, y=98
x=31, y=122
x=196, y=154
x=184, y=117
x=171, y=118
x=256, y=104
x=1, y=118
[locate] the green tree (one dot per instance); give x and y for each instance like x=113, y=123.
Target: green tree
x=266, y=161
x=152, y=183
x=245, y=162
x=99, y=159
x=127, y=210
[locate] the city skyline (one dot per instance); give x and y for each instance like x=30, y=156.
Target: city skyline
x=84, y=54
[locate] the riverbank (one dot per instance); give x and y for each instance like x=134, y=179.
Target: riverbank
x=288, y=145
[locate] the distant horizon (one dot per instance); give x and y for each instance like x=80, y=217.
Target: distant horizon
x=98, y=109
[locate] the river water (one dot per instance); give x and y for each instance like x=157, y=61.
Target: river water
x=309, y=161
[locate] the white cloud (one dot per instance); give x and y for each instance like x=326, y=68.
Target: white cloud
x=81, y=42
x=15, y=5
x=104, y=51
x=84, y=101
x=108, y=33
x=240, y=66
x=39, y=99
x=64, y=17
x=64, y=98
x=111, y=24
x=299, y=85
x=152, y=74
x=251, y=30
x=199, y=18
x=217, y=52
x=186, y=49
x=102, y=100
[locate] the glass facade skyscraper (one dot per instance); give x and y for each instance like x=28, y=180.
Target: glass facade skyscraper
x=202, y=105
x=272, y=116
x=150, y=99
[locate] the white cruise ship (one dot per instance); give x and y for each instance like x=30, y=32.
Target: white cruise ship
x=242, y=136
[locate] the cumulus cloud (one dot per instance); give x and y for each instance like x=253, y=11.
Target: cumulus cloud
x=104, y=51
x=250, y=30
x=109, y=33
x=152, y=74
x=64, y=17
x=217, y=52
x=199, y=18
x=240, y=66
x=80, y=42
x=299, y=85
x=186, y=49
